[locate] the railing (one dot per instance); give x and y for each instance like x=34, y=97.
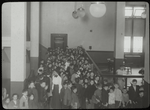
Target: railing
x=94, y=65
x=113, y=76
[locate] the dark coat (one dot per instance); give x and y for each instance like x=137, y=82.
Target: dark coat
x=104, y=96
x=91, y=89
x=133, y=95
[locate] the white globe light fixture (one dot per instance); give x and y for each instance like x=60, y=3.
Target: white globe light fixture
x=81, y=12
x=97, y=9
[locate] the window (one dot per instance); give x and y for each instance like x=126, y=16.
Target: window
x=128, y=11
x=138, y=11
x=134, y=12
x=137, y=44
x=127, y=43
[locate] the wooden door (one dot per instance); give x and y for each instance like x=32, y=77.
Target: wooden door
x=59, y=40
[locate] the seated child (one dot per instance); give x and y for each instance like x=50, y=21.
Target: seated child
x=14, y=103
x=24, y=100
x=111, y=99
x=74, y=98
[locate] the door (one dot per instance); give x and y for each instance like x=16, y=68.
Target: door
x=59, y=40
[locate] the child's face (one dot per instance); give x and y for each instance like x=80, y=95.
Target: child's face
x=7, y=100
x=134, y=83
x=32, y=85
x=70, y=85
x=31, y=97
x=25, y=93
x=92, y=82
x=106, y=87
x=75, y=90
x=100, y=88
x=92, y=74
x=111, y=91
x=124, y=91
x=65, y=86
x=97, y=78
x=43, y=84
x=86, y=80
x=116, y=86
x=15, y=97
x=141, y=94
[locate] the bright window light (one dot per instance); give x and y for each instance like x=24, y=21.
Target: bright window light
x=137, y=44
x=127, y=43
x=128, y=11
x=138, y=11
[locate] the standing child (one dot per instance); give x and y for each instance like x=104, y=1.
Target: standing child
x=97, y=97
x=14, y=103
x=63, y=96
x=125, y=97
x=105, y=96
x=140, y=101
x=74, y=99
x=118, y=96
x=6, y=102
x=24, y=100
x=32, y=103
x=111, y=99
x=69, y=85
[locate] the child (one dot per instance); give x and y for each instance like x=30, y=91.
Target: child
x=125, y=97
x=105, y=96
x=24, y=100
x=74, y=99
x=4, y=93
x=63, y=95
x=6, y=102
x=69, y=85
x=91, y=89
x=33, y=90
x=140, y=100
x=111, y=99
x=14, y=103
x=118, y=96
x=42, y=94
x=32, y=103
x=97, y=97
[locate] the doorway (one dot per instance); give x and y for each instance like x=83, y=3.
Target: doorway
x=59, y=40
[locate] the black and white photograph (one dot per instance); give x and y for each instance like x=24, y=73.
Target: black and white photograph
x=75, y=55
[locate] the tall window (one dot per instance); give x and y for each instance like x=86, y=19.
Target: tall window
x=134, y=29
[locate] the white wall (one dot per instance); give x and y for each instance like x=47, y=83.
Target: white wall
x=56, y=17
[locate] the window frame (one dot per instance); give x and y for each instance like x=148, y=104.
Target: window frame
x=132, y=18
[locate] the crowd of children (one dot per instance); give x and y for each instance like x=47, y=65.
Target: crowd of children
x=66, y=80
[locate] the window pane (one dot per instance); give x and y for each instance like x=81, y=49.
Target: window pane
x=137, y=44
x=128, y=11
x=127, y=43
x=138, y=11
